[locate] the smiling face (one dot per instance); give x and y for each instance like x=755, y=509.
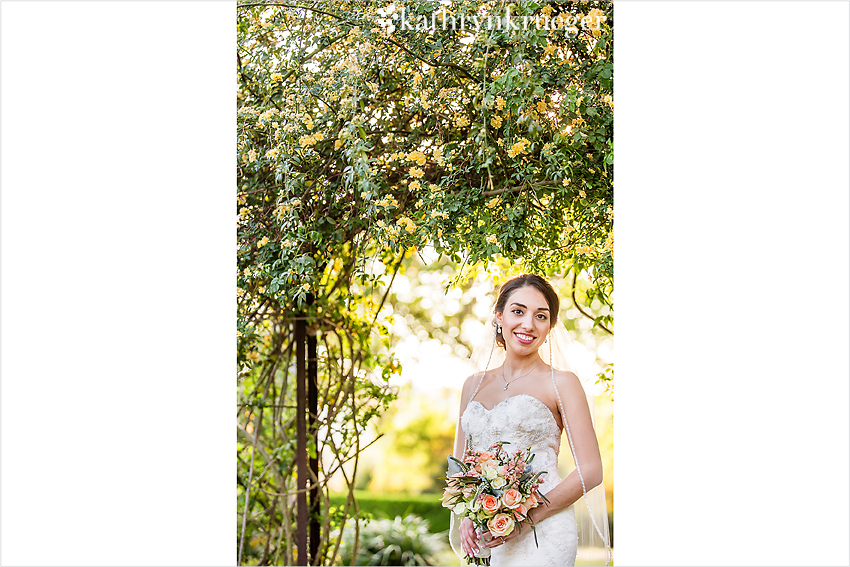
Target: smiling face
x=525, y=320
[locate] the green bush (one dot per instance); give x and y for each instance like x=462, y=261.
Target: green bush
x=401, y=541
x=390, y=505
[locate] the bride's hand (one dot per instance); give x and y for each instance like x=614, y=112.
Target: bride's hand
x=491, y=541
x=468, y=537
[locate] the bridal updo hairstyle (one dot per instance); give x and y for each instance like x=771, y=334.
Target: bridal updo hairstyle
x=527, y=280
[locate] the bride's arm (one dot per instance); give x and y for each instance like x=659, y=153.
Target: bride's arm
x=568, y=491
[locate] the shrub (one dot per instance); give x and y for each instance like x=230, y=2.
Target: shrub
x=401, y=541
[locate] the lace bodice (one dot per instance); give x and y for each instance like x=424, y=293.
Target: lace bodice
x=523, y=421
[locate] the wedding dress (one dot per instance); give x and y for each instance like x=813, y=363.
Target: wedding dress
x=524, y=421
x=575, y=535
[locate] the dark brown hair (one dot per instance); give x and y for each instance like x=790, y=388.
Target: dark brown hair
x=527, y=280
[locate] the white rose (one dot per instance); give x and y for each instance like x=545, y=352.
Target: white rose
x=460, y=508
x=498, y=482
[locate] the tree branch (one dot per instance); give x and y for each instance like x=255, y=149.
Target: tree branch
x=582, y=311
x=454, y=66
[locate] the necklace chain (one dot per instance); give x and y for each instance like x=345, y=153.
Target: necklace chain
x=508, y=383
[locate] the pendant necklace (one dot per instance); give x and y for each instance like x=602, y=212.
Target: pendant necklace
x=515, y=379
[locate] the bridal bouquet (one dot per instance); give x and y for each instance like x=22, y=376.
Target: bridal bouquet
x=494, y=489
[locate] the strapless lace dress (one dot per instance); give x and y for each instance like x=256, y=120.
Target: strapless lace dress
x=524, y=421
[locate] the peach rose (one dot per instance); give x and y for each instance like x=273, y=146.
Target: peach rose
x=520, y=512
x=485, y=456
x=490, y=503
x=500, y=525
x=511, y=498
x=531, y=501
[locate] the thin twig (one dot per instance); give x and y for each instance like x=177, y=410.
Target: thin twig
x=582, y=311
x=248, y=488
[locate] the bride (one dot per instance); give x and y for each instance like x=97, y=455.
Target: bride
x=527, y=402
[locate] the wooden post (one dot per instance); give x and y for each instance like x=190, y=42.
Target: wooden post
x=313, y=408
x=301, y=438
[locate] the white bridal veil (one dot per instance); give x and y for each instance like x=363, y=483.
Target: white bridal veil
x=591, y=509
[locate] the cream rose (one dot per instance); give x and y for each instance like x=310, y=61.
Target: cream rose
x=498, y=482
x=500, y=525
x=449, y=495
x=489, y=503
x=511, y=498
x=489, y=472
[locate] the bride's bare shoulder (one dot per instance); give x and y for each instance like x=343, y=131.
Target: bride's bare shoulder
x=567, y=380
x=469, y=385
x=471, y=381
